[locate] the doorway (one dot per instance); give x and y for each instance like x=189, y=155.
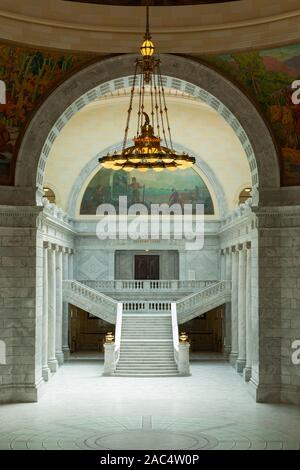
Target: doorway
x=146, y=267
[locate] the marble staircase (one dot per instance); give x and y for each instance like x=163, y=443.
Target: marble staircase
x=146, y=347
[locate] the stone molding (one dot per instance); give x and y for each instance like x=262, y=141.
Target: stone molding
x=19, y=216
x=196, y=29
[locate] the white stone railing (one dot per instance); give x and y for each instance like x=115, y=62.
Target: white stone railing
x=148, y=285
x=241, y=211
x=181, y=350
x=56, y=213
x=175, y=331
x=200, y=302
x=88, y=299
x=118, y=331
x=146, y=306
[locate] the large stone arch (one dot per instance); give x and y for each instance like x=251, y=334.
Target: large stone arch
x=219, y=92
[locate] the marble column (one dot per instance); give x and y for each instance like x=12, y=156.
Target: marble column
x=45, y=368
x=222, y=265
x=65, y=321
x=52, y=361
x=241, y=360
x=227, y=329
x=234, y=305
x=248, y=367
x=59, y=299
x=228, y=264
x=71, y=264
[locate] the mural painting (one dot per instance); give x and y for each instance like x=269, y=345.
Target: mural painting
x=268, y=75
x=28, y=75
x=146, y=188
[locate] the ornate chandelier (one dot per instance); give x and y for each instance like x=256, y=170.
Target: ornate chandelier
x=150, y=151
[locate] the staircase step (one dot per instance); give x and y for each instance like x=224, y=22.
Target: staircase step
x=137, y=374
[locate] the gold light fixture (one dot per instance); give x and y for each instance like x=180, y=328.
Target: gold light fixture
x=153, y=147
x=109, y=337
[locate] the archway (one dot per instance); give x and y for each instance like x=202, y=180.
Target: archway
x=219, y=92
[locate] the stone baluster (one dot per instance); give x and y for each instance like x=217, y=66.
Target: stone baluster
x=248, y=367
x=52, y=361
x=45, y=367
x=59, y=299
x=241, y=360
x=234, y=305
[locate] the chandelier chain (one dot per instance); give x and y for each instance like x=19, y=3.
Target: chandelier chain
x=130, y=108
x=165, y=107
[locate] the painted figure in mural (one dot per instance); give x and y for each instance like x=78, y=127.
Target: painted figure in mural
x=174, y=197
x=135, y=187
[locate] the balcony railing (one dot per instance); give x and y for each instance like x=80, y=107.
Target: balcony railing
x=147, y=285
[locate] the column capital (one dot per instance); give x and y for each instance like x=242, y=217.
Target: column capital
x=223, y=251
x=248, y=245
x=65, y=250
x=47, y=245
x=58, y=248
x=240, y=246
x=233, y=249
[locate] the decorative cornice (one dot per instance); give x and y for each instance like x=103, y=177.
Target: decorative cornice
x=190, y=31
x=19, y=216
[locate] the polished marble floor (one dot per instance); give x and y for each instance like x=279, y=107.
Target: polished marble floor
x=211, y=409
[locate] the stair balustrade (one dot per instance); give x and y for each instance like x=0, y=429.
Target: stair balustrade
x=94, y=302
x=201, y=302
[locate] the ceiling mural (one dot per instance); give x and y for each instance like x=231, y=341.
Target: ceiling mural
x=28, y=75
x=266, y=75
x=178, y=187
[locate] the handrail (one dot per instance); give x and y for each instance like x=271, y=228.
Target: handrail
x=94, y=302
x=147, y=285
x=175, y=331
x=188, y=304
x=118, y=331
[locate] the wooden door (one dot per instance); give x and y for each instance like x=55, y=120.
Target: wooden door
x=146, y=267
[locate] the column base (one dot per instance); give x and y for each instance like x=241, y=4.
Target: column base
x=227, y=351
x=53, y=365
x=247, y=372
x=66, y=352
x=19, y=393
x=240, y=365
x=233, y=358
x=60, y=357
x=46, y=373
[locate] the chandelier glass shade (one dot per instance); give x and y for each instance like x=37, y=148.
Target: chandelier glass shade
x=152, y=147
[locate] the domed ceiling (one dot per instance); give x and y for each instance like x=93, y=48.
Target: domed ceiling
x=157, y=3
